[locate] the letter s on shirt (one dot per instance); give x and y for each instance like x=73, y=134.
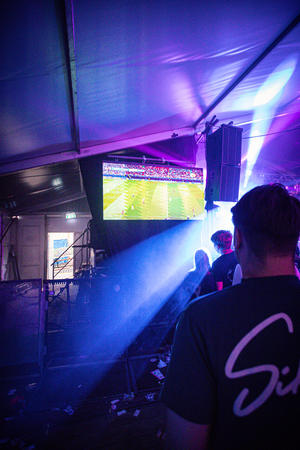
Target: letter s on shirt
x=274, y=371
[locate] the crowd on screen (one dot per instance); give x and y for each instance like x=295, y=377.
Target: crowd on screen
x=138, y=171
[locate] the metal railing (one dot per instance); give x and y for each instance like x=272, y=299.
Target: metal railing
x=58, y=259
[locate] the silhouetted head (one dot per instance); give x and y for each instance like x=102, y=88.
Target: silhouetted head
x=269, y=219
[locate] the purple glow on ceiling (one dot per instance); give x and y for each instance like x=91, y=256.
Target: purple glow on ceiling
x=265, y=102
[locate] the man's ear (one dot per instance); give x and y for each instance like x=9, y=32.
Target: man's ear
x=237, y=239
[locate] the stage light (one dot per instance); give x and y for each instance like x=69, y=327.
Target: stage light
x=264, y=103
x=257, y=135
x=275, y=83
x=152, y=270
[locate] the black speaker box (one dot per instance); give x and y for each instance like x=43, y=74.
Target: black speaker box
x=223, y=158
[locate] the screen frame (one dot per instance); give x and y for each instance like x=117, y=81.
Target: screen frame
x=128, y=165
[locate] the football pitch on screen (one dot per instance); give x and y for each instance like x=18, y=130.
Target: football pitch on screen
x=136, y=199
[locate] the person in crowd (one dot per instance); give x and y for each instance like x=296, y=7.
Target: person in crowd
x=233, y=381
x=198, y=281
x=223, y=267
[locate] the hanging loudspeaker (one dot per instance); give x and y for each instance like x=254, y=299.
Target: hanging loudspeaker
x=223, y=159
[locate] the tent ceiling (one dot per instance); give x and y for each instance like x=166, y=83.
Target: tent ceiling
x=80, y=78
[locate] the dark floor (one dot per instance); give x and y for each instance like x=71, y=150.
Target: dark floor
x=68, y=403
x=67, y=407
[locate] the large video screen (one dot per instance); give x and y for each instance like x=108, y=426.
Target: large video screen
x=152, y=192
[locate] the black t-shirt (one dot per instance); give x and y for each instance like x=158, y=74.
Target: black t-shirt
x=223, y=268
x=235, y=365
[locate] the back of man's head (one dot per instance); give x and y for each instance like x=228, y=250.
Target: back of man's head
x=222, y=238
x=269, y=219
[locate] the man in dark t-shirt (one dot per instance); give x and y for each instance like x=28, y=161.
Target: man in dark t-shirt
x=224, y=266
x=234, y=376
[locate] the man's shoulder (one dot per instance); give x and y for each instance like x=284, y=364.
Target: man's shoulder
x=217, y=262
x=249, y=285
x=215, y=299
x=224, y=257
x=230, y=256
x=263, y=294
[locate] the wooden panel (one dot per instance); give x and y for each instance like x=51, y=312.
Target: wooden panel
x=30, y=252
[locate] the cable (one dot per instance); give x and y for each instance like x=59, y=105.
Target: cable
x=271, y=134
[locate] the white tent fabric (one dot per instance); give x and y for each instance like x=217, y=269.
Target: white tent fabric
x=79, y=78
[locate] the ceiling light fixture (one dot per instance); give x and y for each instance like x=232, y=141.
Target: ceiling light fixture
x=70, y=215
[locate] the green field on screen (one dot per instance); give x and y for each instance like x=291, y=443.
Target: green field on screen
x=137, y=199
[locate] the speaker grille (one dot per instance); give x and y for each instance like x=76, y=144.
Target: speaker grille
x=223, y=157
